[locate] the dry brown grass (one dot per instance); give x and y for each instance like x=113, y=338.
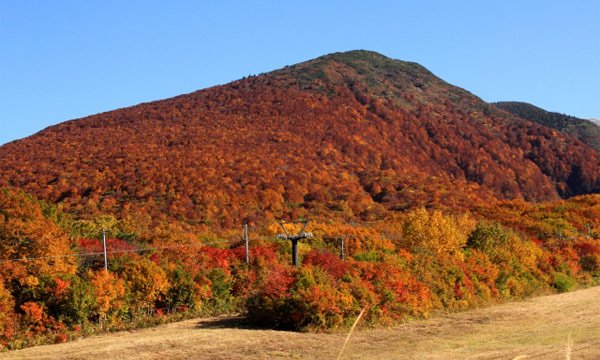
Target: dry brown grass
x=534, y=329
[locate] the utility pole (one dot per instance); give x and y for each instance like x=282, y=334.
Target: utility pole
x=560, y=234
x=104, y=247
x=294, y=238
x=246, y=243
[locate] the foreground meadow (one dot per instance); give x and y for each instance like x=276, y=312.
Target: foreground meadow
x=549, y=327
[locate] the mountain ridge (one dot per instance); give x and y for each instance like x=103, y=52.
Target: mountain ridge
x=584, y=130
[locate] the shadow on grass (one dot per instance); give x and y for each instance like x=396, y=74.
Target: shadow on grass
x=225, y=322
x=233, y=322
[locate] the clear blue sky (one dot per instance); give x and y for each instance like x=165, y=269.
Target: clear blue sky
x=61, y=60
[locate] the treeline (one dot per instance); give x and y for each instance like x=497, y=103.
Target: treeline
x=409, y=265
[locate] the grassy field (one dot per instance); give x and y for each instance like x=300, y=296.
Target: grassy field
x=565, y=326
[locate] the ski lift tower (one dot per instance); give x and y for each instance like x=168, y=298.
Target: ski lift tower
x=294, y=238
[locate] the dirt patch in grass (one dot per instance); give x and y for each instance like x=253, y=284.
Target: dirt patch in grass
x=535, y=329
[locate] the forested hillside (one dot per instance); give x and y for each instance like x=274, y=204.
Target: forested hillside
x=354, y=133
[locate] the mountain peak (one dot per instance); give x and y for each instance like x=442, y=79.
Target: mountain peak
x=353, y=56
x=358, y=54
x=365, y=62
x=368, y=74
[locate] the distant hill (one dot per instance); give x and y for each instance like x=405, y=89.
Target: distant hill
x=354, y=134
x=585, y=130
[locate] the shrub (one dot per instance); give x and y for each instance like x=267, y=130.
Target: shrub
x=77, y=303
x=563, y=282
x=486, y=237
x=33, y=314
x=182, y=291
x=7, y=314
x=61, y=338
x=307, y=298
x=221, y=285
x=265, y=306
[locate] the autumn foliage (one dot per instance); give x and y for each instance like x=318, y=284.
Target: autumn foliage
x=442, y=202
x=409, y=265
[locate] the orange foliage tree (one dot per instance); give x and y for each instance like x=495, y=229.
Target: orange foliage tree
x=109, y=291
x=26, y=233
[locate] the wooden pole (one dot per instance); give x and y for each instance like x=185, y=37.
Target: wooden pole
x=246, y=243
x=104, y=247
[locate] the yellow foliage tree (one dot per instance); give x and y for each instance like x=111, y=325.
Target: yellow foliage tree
x=435, y=232
x=146, y=281
x=93, y=228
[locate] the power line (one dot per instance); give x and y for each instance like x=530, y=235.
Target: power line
x=49, y=257
x=173, y=247
x=119, y=251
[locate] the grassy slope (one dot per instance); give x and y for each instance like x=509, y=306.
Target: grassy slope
x=533, y=329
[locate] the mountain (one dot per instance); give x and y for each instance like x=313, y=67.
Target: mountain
x=595, y=121
x=586, y=131
x=351, y=134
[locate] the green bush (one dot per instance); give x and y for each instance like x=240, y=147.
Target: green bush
x=563, y=282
